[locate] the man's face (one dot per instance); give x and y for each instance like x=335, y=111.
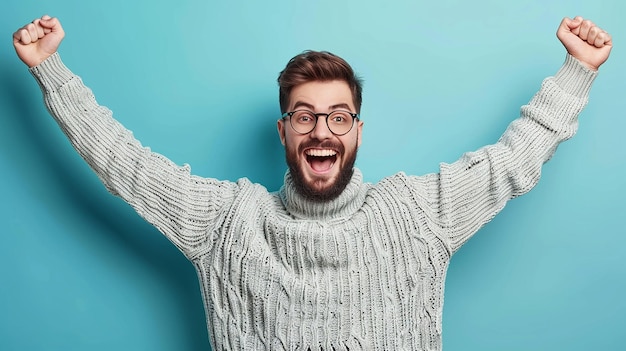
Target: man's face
x=320, y=163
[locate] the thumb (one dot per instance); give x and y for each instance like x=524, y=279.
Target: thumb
x=571, y=25
x=49, y=24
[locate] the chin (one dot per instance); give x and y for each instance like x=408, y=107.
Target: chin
x=321, y=189
x=320, y=184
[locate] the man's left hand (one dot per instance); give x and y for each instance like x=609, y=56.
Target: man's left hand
x=587, y=42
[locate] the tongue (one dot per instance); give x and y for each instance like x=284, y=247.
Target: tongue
x=321, y=164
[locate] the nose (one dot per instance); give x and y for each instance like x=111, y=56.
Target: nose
x=321, y=130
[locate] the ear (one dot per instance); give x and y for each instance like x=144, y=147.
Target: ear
x=359, y=133
x=280, y=125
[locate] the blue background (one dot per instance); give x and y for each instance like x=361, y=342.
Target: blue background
x=195, y=80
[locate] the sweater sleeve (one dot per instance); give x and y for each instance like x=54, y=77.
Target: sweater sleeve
x=472, y=190
x=182, y=206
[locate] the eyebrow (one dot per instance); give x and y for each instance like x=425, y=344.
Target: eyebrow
x=342, y=105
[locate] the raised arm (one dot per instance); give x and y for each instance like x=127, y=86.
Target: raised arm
x=182, y=206
x=470, y=191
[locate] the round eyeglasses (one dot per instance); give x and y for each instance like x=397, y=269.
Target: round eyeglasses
x=339, y=122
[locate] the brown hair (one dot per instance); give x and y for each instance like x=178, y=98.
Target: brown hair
x=312, y=66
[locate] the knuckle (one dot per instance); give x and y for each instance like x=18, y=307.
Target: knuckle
x=603, y=36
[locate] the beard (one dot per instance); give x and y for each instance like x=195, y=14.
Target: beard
x=315, y=191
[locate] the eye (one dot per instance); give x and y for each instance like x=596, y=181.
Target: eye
x=339, y=118
x=303, y=117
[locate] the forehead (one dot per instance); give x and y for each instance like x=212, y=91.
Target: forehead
x=321, y=95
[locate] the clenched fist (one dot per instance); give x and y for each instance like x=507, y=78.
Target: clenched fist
x=585, y=41
x=37, y=40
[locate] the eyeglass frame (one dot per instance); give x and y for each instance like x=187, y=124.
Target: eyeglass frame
x=355, y=116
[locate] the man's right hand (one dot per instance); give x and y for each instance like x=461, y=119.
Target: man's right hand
x=37, y=40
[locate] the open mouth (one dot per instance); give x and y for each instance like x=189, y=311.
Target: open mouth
x=321, y=160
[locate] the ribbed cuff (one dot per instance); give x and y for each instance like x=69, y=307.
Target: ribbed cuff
x=574, y=77
x=51, y=74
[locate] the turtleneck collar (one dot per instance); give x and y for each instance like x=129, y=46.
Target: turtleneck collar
x=345, y=205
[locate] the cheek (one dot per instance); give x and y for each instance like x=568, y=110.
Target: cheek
x=291, y=143
x=351, y=142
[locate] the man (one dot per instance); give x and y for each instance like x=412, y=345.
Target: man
x=328, y=262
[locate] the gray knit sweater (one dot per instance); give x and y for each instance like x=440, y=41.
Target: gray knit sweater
x=365, y=271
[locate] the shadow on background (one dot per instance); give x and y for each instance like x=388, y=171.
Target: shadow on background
x=262, y=154
x=25, y=127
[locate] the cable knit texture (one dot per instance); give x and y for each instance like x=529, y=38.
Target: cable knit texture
x=365, y=271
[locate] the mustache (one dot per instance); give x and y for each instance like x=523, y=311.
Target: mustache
x=326, y=144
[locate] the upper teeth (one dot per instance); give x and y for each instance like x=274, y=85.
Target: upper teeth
x=321, y=153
